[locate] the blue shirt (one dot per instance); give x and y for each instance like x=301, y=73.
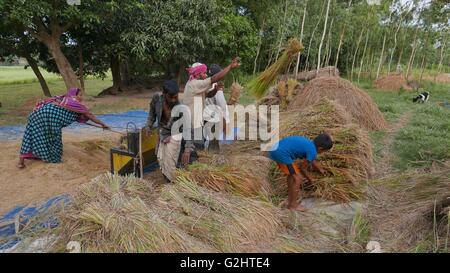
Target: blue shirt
x=293, y=148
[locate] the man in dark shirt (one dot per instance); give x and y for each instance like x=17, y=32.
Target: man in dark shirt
x=160, y=117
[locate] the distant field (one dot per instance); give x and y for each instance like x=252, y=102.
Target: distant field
x=17, y=75
x=14, y=96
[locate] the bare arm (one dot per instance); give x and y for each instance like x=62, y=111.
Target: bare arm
x=96, y=120
x=306, y=174
x=219, y=76
x=318, y=167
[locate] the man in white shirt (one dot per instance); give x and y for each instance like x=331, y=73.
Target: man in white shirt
x=194, y=96
x=216, y=114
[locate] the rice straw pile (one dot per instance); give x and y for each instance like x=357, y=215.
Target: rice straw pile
x=260, y=84
x=115, y=214
x=410, y=212
x=282, y=94
x=356, y=102
x=226, y=222
x=323, y=72
x=392, y=83
x=292, y=85
x=228, y=178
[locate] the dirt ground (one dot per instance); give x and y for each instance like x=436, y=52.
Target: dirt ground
x=84, y=157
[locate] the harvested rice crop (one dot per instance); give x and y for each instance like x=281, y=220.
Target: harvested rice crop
x=356, y=102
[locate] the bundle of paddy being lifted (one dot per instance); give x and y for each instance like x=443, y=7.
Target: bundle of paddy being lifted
x=259, y=85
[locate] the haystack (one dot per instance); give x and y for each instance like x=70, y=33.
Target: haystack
x=329, y=71
x=238, y=179
x=392, y=83
x=117, y=214
x=226, y=222
x=356, y=102
x=410, y=212
x=349, y=164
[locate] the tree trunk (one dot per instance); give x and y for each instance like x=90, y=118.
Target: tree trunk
x=81, y=67
x=323, y=37
x=441, y=59
x=115, y=71
x=301, y=38
x=38, y=74
x=356, y=53
x=261, y=31
x=282, y=27
x=371, y=66
x=380, y=64
x=311, y=39
x=341, y=40
x=125, y=72
x=422, y=68
x=64, y=67
x=363, y=56
x=328, y=46
x=413, y=53
x=393, y=48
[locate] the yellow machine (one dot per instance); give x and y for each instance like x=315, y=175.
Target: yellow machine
x=140, y=155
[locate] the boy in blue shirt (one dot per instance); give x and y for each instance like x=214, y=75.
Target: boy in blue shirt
x=291, y=149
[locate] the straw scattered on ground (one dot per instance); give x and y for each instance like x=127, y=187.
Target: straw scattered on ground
x=410, y=212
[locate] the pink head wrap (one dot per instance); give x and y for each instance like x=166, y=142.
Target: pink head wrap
x=196, y=70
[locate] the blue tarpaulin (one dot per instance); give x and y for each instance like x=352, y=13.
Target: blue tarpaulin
x=118, y=121
x=25, y=214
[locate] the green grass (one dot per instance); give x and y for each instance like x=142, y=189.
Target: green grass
x=426, y=137
x=14, y=96
x=19, y=75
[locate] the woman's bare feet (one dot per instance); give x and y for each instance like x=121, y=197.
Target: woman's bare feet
x=21, y=163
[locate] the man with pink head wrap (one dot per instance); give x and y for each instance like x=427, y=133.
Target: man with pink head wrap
x=195, y=90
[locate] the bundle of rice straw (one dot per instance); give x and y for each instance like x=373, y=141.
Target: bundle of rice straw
x=236, y=90
x=114, y=214
x=282, y=93
x=356, y=102
x=348, y=164
x=260, y=84
x=292, y=85
x=226, y=222
x=245, y=176
x=410, y=212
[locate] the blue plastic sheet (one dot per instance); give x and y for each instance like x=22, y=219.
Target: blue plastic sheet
x=118, y=121
x=25, y=214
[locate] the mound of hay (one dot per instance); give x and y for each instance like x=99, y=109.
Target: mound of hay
x=411, y=212
x=115, y=214
x=329, y=71
x=392, y=83
x=442, y=78
x=228, y=223
x=232, y=178
x=348, y=164
x=356, y=102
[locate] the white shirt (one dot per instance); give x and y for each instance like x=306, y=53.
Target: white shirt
x=216, y=108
